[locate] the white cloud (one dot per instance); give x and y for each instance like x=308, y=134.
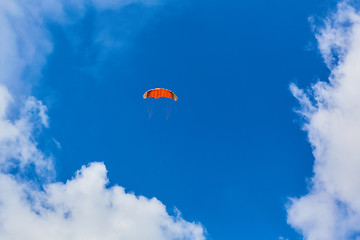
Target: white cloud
x=18, y=146
x=331, y=209
x=83, y=207
x=23, y=42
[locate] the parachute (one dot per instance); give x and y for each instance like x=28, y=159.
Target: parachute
x=160, y=92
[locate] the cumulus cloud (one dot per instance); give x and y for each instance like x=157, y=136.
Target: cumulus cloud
x=331, y=209
x=83, y=207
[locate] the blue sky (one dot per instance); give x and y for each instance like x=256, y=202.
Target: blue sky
x=233, y=150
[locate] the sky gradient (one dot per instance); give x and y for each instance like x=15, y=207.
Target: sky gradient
x=261, y=89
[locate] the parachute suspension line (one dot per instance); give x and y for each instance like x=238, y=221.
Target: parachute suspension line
x=168, y=110
x=149, y=108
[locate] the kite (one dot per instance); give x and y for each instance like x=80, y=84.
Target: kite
x=160, y=92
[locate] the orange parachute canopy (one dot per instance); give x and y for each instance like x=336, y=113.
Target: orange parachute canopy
x=160, y=92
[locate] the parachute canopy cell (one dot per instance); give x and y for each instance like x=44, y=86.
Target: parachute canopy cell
x=160, y=92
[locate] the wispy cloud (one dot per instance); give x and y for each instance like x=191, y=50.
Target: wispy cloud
x=18, y=147
x=331, y=209
x=83, y=207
